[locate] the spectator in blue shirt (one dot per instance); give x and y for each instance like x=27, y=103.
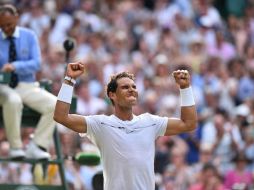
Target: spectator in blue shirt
x=246, y=86
x=20, y=56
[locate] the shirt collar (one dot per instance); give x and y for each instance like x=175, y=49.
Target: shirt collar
x=16, y=33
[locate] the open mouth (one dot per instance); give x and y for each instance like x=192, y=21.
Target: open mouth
x=132, y=96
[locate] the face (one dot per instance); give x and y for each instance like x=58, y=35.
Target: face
x=208, y=174
x=126, y=94
x=8, y=23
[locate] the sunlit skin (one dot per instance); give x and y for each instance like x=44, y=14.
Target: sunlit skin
x=125, y=97
x=8, y=24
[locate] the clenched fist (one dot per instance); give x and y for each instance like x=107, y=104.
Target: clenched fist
x=76, y=69
x=182, y=78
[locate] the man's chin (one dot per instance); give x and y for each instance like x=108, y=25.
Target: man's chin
x=134, y=103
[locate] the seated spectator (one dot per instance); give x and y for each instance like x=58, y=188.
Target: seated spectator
x=210, y=179
x=221, y=48
x=21, y=56
x=178, y=173
x=239, y=178
x=246, y=86
x=224, y=137
x=205, y=156
x=86, y=102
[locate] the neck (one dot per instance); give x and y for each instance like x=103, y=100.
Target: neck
x=123, y=113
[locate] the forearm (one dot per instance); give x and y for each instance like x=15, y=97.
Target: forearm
x=27, y=66
x=234, y=144
x=188, y=108
x=61, y=112
x=189, y=117
x=62, y=107
x=72, y=121
x=188, y=120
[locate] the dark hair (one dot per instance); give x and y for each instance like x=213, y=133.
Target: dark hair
x=97, y=181
x=183, y=66
x=222, y=112
x=8, y=8
x=240, y=156
x=209, y=166
x=112, y=85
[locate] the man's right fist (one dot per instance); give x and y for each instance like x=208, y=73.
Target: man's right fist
x=76, y=69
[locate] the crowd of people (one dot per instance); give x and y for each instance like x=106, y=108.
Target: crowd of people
x=212, y=39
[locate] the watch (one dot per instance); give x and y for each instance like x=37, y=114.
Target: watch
x=72, y=80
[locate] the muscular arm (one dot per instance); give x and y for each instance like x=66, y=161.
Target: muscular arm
x=61, y=115
x=188, y=120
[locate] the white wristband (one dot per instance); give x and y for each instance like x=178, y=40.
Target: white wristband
x=187, y=98
x=65, y=93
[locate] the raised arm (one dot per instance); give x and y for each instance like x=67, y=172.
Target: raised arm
x=188, y=119
x=61, y=115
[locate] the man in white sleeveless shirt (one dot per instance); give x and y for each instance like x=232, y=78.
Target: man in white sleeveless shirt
x=126, y=141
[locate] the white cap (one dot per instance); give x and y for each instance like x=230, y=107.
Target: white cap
x=206, y=21
x=242, y=110
x=161, y=59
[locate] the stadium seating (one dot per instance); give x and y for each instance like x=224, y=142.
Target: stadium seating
x=30, y=119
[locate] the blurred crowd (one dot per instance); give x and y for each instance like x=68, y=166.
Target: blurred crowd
x=212, y=39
